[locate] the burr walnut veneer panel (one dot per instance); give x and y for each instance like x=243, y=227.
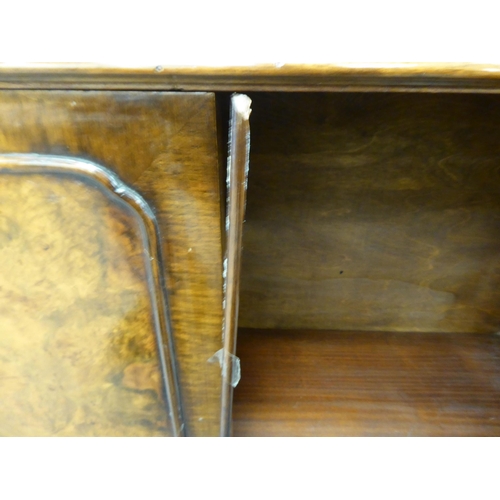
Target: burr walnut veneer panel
x=164, y=146
x=85, y=344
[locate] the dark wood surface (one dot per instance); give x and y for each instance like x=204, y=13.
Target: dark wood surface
x=163, y=145
x=373, y=212
x=396, y=77
x=319, y=383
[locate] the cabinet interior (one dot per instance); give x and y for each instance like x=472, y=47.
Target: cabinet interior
x=370, y=297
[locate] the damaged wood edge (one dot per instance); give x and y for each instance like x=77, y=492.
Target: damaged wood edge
x=114, y=187
x=237, y=175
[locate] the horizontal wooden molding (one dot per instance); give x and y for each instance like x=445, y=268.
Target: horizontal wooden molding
x=398, y=77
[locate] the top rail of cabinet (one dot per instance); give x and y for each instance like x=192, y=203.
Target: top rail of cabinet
x=345, y=77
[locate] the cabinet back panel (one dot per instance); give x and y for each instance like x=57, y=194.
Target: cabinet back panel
x=373, y=212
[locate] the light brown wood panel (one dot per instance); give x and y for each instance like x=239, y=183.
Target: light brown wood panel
x=324, y=383
x=373, y=212
x=164, y=146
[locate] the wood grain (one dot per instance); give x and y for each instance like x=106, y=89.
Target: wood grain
x=373, y=212
x=79, y=316
x=164, y=146
x=340, y=77
x=313, y=383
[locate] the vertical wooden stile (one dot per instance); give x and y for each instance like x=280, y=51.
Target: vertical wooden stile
x=237, y=174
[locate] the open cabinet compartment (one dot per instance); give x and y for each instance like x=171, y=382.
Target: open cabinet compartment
x=370, y=282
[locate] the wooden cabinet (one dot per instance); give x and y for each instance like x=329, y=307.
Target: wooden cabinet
x=370, y=251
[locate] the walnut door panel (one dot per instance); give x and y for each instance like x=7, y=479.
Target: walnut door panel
x=92, y=287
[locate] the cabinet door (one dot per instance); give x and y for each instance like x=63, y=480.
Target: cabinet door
x=111, y=283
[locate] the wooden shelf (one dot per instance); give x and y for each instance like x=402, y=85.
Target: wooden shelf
x=328, y=383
